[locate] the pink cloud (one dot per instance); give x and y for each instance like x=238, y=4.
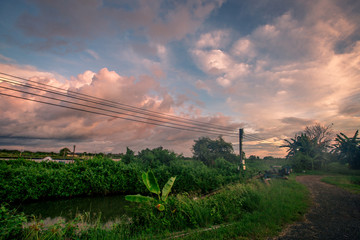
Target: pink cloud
x=91, y=132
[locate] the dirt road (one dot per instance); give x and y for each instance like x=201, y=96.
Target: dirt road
x=335, y=213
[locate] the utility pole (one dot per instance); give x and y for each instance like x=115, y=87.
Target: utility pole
x=74, y=152
x=241, y=134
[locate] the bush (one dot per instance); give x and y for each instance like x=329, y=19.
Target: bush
x=183, y=211
x=301, y=162
x=11, y=223
x=23, y=180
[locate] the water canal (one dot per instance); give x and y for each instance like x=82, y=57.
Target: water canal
x=107, y=208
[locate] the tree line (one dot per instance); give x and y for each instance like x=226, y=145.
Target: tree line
x=315, y=147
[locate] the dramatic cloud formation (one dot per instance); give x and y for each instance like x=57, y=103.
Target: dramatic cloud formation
x=24, y=122
x=272, y=67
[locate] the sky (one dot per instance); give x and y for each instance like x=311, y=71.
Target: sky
x=271, y=67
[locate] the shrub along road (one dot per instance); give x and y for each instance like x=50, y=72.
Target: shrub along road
x=335, y=213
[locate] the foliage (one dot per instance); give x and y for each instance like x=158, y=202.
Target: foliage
x=64, y=151
x=281, y=203
x=156, y=157
x=11, y=223
x=348, y=149
x=207, y=150
x=302, y=161
x=312, y=144
x=253, y=210
x=152, y=185
x=253, y=157
x=129, y=156
x=185, y=212
x=24, y=180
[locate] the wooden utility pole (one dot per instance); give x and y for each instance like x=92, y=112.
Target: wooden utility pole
x=74, y=152
x=241, y=134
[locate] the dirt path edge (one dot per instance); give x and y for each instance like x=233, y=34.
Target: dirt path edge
x=334, y=213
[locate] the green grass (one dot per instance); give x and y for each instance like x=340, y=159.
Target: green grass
x=339, y=175
x=262, y=165
x=350, y=183
x=282, y=202
x=252, y=211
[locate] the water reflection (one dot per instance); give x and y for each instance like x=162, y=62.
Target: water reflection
x=108, y=208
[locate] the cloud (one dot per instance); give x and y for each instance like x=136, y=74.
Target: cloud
x=216, y=39
x=350, y=106
x=68, y=26
x=290, y=72
x=218, y=63
x=6, y=59
x=27, y=123
x=93, y=54
x=297, y=121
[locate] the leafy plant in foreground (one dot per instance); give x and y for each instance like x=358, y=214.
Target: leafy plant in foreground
x=152, y=185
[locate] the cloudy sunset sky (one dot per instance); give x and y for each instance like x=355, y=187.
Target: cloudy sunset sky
x=271, y=67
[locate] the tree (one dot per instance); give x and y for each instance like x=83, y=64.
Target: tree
x=156, y=156
x=64, y=152
x=253, y=157
x=348, y=149
x=207, y=150
x=313, y=142
x=322, y=134
x=129, y=156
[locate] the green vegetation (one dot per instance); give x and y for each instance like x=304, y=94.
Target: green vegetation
x=152, y=185
x=22, y=180
x=205, y=194
x=281, y=202
x=208, y=150
x=348, y=149
x=341, y=175
x=252, y=210
x=350, y=183
x=312, y=149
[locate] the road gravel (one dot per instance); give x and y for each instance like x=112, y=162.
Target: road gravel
x=334, y=214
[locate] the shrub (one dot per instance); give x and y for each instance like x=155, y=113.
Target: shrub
x=11, y=223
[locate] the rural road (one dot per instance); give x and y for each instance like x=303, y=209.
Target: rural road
x=334, y=214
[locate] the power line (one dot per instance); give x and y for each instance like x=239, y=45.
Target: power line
x=249, y=139
x=116, y=112
x=192, y=122
x=161, y=119
x=108, y=115
x=127, y=107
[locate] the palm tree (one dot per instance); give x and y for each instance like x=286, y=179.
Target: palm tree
x=348, y=149
x=64, y=151
x=306, y=146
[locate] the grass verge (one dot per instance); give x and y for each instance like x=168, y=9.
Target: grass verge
x=282, y=202
x=349, y=183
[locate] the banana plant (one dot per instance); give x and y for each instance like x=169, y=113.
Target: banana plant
x=152, y=185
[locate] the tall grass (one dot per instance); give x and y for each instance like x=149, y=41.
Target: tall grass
x=254, y=210
x=281, y=203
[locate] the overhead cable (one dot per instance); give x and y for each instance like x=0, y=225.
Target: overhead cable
x=85, y=97
x=114, y=116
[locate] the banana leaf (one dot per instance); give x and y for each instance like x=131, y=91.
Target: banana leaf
x=167, y=188
x=150, y=182
x=138, y=198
